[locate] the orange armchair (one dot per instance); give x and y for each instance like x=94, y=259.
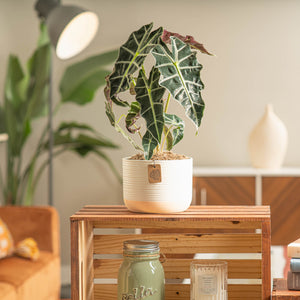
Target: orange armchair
x=22, y=279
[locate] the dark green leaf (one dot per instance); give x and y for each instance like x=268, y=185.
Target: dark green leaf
x=38, y=89
x=14, y=76
x=74, y=125
x=95, y=141
x=169, y=138
x=149, y=144
x=110, y=114
x=132, y=116
x=176, y=127
x=131, y=57
x=149, y=94
x=180, y=72
x=73, y=133
x=81, y=80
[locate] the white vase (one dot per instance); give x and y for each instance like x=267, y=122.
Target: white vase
x=173, y=194
x=268, y=141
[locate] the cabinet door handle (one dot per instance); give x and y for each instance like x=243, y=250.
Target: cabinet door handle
x=203, y=196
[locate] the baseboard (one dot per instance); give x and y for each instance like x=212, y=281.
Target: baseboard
x=65, y=274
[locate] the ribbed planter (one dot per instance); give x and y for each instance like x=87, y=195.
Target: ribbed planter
x=172, y=194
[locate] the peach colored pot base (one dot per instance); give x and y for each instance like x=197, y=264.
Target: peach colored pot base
x=173, y=194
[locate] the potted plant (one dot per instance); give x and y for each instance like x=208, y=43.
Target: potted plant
x=25, y=100
x=157, y=181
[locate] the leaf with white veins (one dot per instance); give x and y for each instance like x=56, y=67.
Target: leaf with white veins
x=149, y=94
x=180, y=72
x=176, y=127
x=131, y=57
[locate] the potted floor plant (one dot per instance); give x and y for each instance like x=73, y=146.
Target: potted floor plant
x=26, y=100
x=156, y=181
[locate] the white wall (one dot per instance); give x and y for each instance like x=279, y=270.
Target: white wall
x=257, y=48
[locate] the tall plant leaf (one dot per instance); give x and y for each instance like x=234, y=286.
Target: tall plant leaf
x=83, y=140
x=13, y=111
x=38, y=88
x=180, y=75
x=149, y=144
x=131, y=57
x=149, y=94
x=76, y=134
x=133, y=115
x=169, y=138
x=81, y=80
x=14, y=75
x=176, y=127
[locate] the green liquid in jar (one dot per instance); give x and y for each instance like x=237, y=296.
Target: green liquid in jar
x=141, y=275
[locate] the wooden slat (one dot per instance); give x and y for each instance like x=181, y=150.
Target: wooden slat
x=266, y=257
x=75, y=287
x=244, y=292
x=182, y=292
x=180, y=268
x=86, y=245
x=194, y=213
x=181, y=243
x=244, y=210
x=175, y=224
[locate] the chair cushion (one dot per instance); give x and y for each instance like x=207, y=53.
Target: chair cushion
x=6, y=241
x=32, y=279
x=7, y=291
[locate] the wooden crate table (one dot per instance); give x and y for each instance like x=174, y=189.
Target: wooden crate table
x=280, y=291
x=238, y=234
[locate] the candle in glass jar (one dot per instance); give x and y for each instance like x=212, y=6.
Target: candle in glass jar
x=208, y=280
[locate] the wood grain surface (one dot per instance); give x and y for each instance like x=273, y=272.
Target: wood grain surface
x=90, y=249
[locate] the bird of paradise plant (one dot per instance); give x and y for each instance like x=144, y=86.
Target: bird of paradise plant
x=25, y=100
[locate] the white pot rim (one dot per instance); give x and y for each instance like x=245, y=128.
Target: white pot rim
x=156, y=160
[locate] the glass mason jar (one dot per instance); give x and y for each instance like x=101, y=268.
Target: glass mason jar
x=141, y=274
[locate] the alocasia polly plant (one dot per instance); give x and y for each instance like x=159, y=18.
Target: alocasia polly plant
x=175, y=74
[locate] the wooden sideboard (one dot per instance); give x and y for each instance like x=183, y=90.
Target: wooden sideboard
x=248, y=186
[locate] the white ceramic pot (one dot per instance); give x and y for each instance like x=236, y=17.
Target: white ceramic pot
x=172, y=194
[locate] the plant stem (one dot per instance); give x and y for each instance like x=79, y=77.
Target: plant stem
x=139, y=133
x=121, y=117
x=43, y=166
x=167, y=103
x=108, y=160
x=57, y=107
x=165, y=138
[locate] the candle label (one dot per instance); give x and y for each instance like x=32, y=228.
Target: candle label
x=208, y=284
x=154, y=173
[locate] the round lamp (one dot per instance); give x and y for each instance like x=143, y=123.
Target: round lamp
x=71, y=28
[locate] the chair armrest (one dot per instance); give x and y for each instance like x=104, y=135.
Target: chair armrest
x=40, y=223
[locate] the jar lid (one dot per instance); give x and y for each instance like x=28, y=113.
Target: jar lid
x=141, y=245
